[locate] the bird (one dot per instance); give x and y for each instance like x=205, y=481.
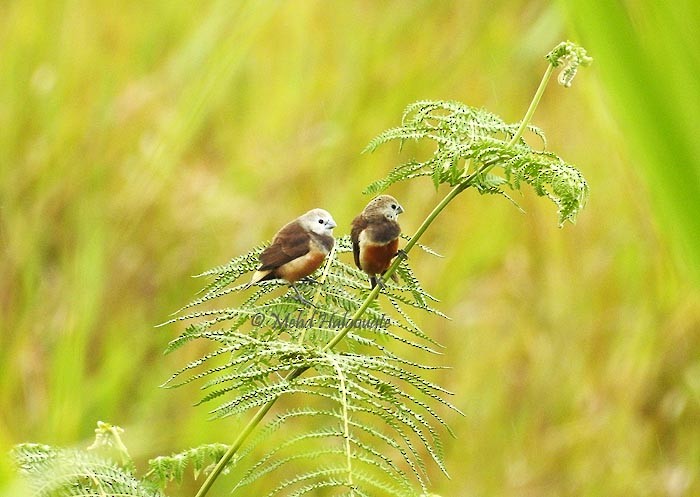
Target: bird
x=375, y=237
x=297, y=249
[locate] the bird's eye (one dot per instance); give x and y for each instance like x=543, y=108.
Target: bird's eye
x=393, y=206
x=320, y=221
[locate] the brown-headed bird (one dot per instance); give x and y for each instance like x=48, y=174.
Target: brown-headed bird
x=297, y=250
x=375, y=237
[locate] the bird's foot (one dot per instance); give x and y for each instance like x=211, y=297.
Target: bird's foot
x=401, y=254
x=301, y=298
x=378, y=281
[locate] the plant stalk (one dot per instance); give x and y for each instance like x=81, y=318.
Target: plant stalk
x=533, y=105
x=254, y=421
x=466, y=183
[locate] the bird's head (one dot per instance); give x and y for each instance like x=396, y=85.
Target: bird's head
x=318, y=221
x=385, y=206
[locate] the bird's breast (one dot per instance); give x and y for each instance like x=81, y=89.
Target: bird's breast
x=301, y=266
x=375, y=258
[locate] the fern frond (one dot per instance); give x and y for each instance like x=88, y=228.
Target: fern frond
x=409, y=170
x=369, y=394
x=424, y=248
x=164, y=469
x=468, y=139
x=571, y=57
x=54, y=472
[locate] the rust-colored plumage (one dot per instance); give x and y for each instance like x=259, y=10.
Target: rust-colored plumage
x=298, y=249
x=375, y=237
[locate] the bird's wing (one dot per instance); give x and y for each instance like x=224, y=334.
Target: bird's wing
x=290, y=243
x=358, y=224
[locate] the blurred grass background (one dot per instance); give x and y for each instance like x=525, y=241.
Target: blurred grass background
x=143, y=143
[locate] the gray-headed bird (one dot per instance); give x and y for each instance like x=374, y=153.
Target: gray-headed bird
x=297, y=250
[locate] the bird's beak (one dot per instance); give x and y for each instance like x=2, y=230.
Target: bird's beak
x=400, y=208
x=331, y=224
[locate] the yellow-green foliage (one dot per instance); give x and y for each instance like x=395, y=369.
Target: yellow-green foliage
x=144, y=142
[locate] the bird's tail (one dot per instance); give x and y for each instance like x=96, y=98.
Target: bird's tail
x=259, y=276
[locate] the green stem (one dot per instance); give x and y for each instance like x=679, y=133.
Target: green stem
x=466, y=183
x=486, y=167
x=533, y=105
x=254, y=421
